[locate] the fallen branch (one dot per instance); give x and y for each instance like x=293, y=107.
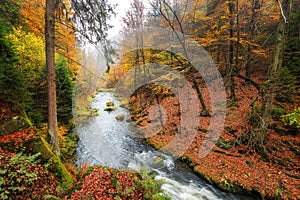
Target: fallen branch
x=256, y=85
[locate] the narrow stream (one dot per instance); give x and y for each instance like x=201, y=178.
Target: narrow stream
x=106, y=141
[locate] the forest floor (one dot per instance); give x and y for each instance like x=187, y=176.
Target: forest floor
x=231, y=164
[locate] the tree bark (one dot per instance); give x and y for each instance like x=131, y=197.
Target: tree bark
x=230, y=70
x=238, y=37
x=269, y=93
x=51, y=77
x=254, y=10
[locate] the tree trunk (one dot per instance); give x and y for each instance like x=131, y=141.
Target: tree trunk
x=50, y=38
x=230, y=70
x=204, y=111
x=237, y=49
x=269, y=93
x=254, y=10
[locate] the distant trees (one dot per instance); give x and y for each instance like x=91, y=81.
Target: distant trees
x=240, y=35
x=133, y=27
x=174, y=18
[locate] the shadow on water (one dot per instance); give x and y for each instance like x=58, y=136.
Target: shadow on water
x=108, y=142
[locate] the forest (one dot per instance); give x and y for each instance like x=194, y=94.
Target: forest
x=210, y=86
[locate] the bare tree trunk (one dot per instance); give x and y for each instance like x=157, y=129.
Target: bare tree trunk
x=231, y=49
x=164, y=4
x=255, y=7
x=237, y=49
x=50, y=38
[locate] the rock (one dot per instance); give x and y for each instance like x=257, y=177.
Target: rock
x=8, y=126
x=110, y=104
x=123, y=105
x=120, y=117
x=129, y=118
x=110, y=108
x=157, y=163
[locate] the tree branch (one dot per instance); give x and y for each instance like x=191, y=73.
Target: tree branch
x=282, y=12
x=256, y=85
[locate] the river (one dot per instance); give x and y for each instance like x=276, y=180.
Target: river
x=108, y=142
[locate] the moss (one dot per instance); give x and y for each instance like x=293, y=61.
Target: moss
x=277, y=112
x=58, y=164
x=225, y=144
x=226, y=185
x=38, y=147
x=157, y=163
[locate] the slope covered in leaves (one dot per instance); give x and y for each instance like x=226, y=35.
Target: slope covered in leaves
x=232, y=164
x=104, y=183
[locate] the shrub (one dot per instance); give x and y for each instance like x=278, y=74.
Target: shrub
x=23, y=178
x=292, y=119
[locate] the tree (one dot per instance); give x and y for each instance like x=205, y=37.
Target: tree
x=9, y=14
x=174, y=22
x=90, y=18
x=51, y=78
x=230, y=66
x=134, y=24
x=13, y=83
x=64, y=86
x=268, y=91
x=252, y=28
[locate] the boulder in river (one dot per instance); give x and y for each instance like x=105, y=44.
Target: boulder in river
x=110, y=103
x=110, y=108
x=120, y=117
x=157, y=163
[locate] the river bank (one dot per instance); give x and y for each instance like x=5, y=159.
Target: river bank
x=231, y=165
x=106, y=141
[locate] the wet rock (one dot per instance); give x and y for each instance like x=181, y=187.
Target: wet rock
x=110, y=104
x=120, y=117
x=157, y=163
x=123, y=105
x=110, y=108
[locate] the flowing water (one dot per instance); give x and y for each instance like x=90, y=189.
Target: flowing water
x=108, y=142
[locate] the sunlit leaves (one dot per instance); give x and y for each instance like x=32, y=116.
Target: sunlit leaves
x=30, y=49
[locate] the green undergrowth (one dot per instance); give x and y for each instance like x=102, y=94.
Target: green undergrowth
x=152, y=187
x=23, y=177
